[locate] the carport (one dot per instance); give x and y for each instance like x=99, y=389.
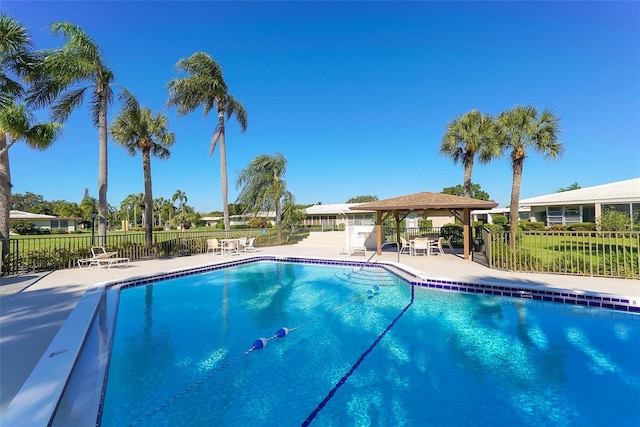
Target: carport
x=425, y=202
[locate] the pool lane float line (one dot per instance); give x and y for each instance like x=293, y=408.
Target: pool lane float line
x=258, y=344
x=261, y=343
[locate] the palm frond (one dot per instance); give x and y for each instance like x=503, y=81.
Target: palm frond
x=42, y=135
x=214, y=139
x=66, y=103
x=235, y=108
x=128, y=99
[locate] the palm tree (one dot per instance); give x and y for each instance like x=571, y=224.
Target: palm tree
x=132, y=201
x=205, y=87
x=137, y=129
x=168, y=208
x=63, y=79
x=523, y=128
x=16, y=59
x=157, y=208
x=263, y=186
x=468, y=136
x=574, y=186
x=182, y=198
x=16, y=125
x=88, y=205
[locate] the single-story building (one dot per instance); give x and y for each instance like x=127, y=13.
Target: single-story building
x=45, y=222
x=585, y=204
x=331, y=216
x=212, y=221
x=486, y=216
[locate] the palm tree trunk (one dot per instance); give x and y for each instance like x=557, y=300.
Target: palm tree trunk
x=515, y=197
x=148, y=199
x=223, y=170
x=5, y=194
x=279, y=220
x=468, y=167
x=102, y=167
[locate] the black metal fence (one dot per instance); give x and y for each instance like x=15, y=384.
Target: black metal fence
x=584, y=253
x=53, y=252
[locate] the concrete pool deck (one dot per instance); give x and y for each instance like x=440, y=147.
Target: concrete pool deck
x=33, y=307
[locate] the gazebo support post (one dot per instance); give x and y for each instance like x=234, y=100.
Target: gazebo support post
x=466, y=231
x=379, y=235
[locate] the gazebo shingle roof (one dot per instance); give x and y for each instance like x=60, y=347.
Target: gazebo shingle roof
x=426, y=200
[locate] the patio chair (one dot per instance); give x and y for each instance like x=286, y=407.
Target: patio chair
x=405, y=247
x=231, y=247
x=214, y=246
x=248, y=246
x=420, y=245
x=436, y=247
x=449, y=243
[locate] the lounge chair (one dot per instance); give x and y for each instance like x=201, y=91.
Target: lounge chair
x=102, y=258
x=357, y=246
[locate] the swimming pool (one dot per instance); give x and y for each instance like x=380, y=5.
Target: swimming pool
x=183, y=353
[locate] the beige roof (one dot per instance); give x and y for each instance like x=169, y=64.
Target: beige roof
x=425, y=200
x=330, y=209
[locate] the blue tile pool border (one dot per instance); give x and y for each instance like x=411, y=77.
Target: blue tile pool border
x=617, y=303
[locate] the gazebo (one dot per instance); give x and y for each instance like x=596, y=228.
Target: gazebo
x=400, y=207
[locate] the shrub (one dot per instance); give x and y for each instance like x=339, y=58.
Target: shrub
x=531, y=226
x=583, y=226
x=59, y=231
x=425, y=223
x=454, y=230
x=501, y=220
x=559, y=227
x=24, y=227
x=614, y=221
x=494, y=227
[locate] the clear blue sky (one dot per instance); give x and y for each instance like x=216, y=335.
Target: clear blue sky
x=355, y=95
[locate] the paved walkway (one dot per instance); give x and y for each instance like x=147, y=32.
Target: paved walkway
x=33, y=307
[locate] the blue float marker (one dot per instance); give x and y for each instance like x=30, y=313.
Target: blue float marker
x=375, y=290
x=282, y=332
x=259, y=343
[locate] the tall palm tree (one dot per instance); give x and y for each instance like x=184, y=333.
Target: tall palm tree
x=522, y=129
x=137, y=129
x=16, y=59
x=182, y=198
x=263, y=186
x=16, y=125
x=204, y=86
x=63, y=79
x=469, y=136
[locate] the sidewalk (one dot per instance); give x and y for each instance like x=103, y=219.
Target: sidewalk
x=33, y=307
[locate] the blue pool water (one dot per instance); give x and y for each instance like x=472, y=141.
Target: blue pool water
x=404, y=357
